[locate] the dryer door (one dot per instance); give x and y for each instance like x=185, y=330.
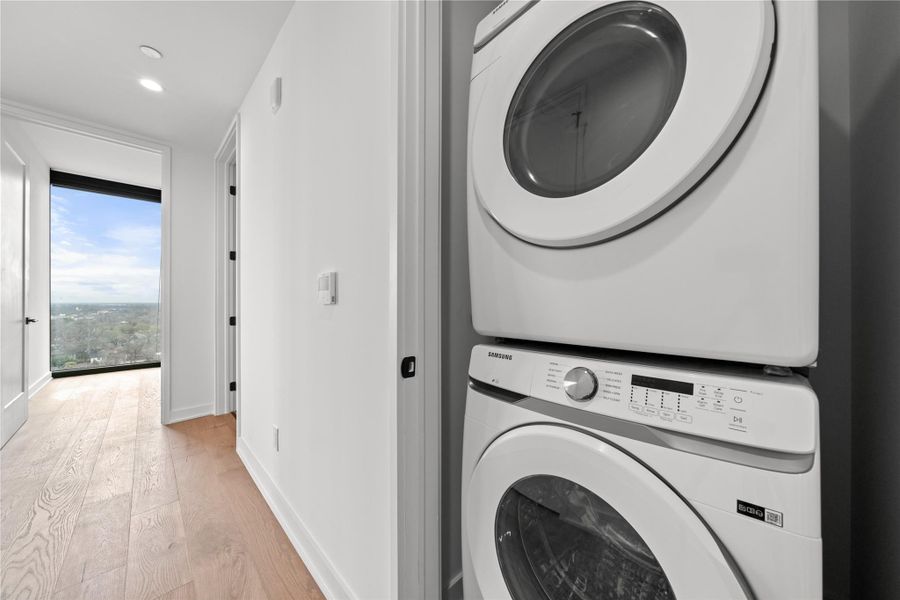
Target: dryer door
x=554, y=513
x=596, y=116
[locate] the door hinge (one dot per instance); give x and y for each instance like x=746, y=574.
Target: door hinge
x=232, y=255
x=232, y=190
x=408, y=367
x=232, y=387
x=232, y=320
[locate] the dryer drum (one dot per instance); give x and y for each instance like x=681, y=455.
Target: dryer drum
x=556, y=540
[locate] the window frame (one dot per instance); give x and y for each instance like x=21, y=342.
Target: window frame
x=104, y=186
x=107, y=187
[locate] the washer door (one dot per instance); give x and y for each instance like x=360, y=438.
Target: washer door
x=597, y=116
x=554, y=513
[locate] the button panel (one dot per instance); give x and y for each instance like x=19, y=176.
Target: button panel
x=702, y=406
x=612, y=384
x=728, y=406
x=739, y=405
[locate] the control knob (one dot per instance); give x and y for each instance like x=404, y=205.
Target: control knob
x=580, y=384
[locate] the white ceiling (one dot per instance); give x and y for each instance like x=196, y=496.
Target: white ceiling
x=81, y=59
x=84, y=155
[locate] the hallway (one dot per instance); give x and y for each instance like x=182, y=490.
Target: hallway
x=100, y=501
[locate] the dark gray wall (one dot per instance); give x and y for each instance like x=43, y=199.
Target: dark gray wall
x=875, y=181
x=832, y=378
x=458, y=337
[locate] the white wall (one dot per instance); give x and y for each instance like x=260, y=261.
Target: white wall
x=193, y=284
x=38, y=302
x=80, y=154
x=318, y=184
x=193, y=276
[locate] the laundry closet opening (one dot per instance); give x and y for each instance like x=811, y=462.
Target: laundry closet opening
x=105, y=248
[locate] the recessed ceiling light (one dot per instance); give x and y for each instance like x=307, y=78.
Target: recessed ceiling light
x=151, y=85
x=151, y=52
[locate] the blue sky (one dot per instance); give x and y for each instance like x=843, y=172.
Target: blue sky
x=103, y=248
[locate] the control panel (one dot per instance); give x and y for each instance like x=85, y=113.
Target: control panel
x=768, y=412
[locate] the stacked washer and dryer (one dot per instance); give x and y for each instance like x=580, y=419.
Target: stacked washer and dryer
x=643, y=243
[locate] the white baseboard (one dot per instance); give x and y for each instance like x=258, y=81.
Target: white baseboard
x=454, y=589
x=190, y=412
x=333, y=586
x=38, y=385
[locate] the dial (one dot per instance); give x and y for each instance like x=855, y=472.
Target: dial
x=580, y=384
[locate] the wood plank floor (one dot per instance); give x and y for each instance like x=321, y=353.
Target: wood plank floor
x=99, y=501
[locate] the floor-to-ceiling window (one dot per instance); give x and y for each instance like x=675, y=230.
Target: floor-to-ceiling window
x=104, y=274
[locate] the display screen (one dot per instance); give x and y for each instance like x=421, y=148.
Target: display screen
x=666, y=385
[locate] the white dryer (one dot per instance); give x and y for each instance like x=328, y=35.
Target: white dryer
x=592, y=478
x=644, y=176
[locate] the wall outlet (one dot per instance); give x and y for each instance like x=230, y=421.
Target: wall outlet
x=275, y=441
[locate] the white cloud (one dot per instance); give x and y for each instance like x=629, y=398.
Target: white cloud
x=61, y=255
x=115, y=269
x=142, y=236
x=105, y=278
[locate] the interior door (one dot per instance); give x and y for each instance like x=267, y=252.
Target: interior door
x=596, y=116
x=559, y=514
x=13, y=282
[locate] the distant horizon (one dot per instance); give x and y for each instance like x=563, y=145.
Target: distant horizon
x=102, y=303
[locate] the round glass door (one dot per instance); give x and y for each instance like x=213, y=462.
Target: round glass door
x=588, y=119
x=557, y=540
x=594, y=99
x=554, y=513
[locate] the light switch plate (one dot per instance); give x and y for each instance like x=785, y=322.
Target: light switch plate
x=275, y=95
x=327, y=287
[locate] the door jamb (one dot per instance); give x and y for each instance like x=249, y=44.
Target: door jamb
x=418, y=316
x=28, y=114
x=225, y=155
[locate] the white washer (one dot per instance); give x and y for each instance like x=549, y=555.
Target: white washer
x=644, y=176
x=594, y=478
